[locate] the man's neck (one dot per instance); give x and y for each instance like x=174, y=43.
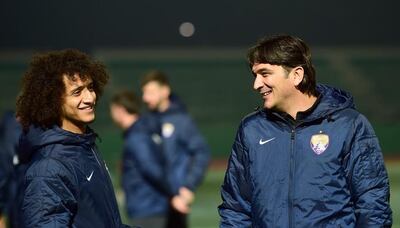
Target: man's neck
x=77, y=129
x=164, y=105
x=300, y=104
x=129, y=121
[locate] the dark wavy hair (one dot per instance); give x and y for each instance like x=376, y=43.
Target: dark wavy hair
x=41, y=96
x=155, y=76
x=288, y=52
x=128, y=100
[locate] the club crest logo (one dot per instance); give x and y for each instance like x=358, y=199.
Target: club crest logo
x=167, y=130
x=319, y=142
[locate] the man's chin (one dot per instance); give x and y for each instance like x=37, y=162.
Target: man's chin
x=266, y=105
x=152, y=108
x=88, y=120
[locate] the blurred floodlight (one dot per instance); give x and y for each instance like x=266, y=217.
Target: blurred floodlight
x=186, y=29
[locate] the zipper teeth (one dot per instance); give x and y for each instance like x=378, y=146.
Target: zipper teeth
x=290, y=196
x=94, y=153
x=108, y=188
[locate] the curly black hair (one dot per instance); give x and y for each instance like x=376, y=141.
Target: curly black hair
x=41, y=96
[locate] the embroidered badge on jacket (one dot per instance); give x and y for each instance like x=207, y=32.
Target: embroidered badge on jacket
x=167, y=130
x=319, y=142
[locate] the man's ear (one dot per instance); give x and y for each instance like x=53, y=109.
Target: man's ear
x=298, y=74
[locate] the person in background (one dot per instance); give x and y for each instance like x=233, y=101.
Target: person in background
x=186, y=152
x=67, y=183
x=144, y=174
x=11, y=172
x=308, y=158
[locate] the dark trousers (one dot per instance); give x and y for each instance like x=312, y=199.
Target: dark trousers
x=176, y=219
x=150, y=222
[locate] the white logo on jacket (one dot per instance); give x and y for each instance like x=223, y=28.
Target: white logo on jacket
x=319, y=142
x=90, y=176
x=15, y=160
x=266, y=141
x=156, y=139
x=167, y=130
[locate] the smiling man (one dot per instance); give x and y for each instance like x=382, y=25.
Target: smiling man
x=307, y=158
x=67, y=183
x=79, y=102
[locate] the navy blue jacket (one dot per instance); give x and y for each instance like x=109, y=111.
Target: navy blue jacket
x=67, y=183
x=144, y=172
x=324, y=170
x=11, y=171
x=186, y=152
x=7, y=149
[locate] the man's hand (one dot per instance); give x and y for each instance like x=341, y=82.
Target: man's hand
x=182, y=201
x=187, y=195
x=179, y=204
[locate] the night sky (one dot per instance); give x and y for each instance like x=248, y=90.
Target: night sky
x=92, y=24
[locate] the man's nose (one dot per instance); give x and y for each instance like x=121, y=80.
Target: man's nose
x=89, y=96
x=258, y=82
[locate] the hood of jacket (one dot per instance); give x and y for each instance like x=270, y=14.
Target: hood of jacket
x=332, y=100
x=176, y=104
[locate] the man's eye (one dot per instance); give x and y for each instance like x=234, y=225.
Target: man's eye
x=76, y=93
x=91, y=88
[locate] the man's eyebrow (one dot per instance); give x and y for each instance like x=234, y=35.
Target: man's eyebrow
x=81, y=87
x=263, y=70
x=77, y=89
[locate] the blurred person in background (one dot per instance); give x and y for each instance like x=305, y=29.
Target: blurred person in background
x=67, y=183
x=308, y=158
x=186, y=152
x=11, y=171
x=144, y=173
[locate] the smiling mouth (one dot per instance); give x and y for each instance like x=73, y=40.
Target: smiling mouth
x=88, y=108
x=264, y=94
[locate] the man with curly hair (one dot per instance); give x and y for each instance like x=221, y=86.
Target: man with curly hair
x=67, y=184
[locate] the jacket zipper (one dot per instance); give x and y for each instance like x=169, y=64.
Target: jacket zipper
x=94, y=153
x=104, y=175
x=291, y=177
x=101, y=167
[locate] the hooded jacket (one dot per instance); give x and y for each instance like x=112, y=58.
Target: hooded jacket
x=11, y=171
x=67, y=183
x=186, y=152
x=144, y=172
x=323, y=170
x=8, y=143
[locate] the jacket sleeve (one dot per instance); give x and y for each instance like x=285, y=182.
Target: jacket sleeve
x=235, y=210
x=48, y=198
x=368, y=178
x=200, y=154
x=5, y=174
x=6, y=160
x=145, y=154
